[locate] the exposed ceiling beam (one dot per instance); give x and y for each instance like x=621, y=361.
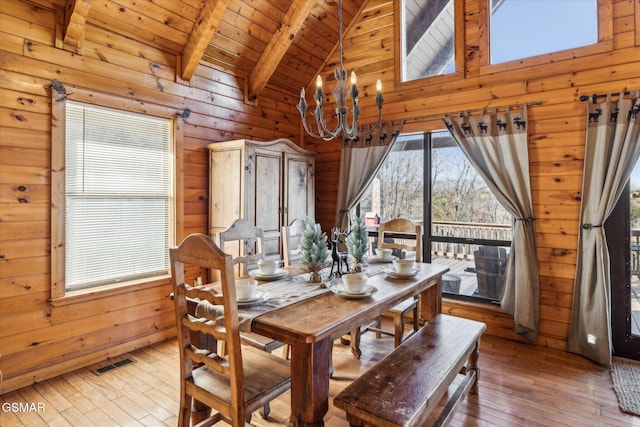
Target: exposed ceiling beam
x=203, y=30
x=76, y=12
x=278, y=45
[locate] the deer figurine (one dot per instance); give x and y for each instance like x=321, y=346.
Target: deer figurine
x=337, y=256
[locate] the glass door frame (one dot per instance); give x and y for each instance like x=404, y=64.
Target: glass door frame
x=618, y=232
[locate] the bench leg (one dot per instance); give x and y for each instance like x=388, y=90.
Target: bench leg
x=473, y=365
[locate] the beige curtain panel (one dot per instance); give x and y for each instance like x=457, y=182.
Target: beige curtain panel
x=611, y=151
x=496, y=145
x=359, y=162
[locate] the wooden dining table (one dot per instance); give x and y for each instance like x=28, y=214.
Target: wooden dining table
x=311, y=325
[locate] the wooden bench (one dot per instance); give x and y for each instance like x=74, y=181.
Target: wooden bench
x=405, y=387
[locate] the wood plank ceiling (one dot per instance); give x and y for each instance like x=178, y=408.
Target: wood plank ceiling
x=281, y=43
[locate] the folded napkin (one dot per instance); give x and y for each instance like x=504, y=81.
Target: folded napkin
x=215, y=313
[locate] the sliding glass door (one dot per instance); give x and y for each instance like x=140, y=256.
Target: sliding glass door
x=427, y=179
x=623, y=239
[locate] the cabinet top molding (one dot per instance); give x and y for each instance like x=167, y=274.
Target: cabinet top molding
x=275, y=144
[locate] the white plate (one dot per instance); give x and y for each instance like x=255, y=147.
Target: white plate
x=368, y=291
x=377, y=259
x=397, y=275
x=259, y=297
x=279, y=273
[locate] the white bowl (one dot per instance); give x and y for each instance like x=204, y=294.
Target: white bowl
x=384, y=253
x=354, y=283
x=268, y=266
x=403, y=266
x=245, y=289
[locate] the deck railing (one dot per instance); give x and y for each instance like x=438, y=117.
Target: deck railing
x=483, y=282
x=465, y=230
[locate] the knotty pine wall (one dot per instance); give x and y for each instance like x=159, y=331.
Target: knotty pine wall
x=38, y=340
x=556, y=130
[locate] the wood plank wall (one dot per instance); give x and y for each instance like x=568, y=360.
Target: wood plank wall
x=37, y=340
x=556, y=131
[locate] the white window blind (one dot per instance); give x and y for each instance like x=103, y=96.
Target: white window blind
x=118, y=196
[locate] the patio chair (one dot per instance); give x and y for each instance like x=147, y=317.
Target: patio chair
x=491, y=262
x=233, y=385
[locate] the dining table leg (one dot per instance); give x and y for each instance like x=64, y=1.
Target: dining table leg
x=310, y=364
x=431, y=301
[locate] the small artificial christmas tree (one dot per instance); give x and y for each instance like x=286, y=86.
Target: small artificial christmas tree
x=314, y=248
x=357, y=241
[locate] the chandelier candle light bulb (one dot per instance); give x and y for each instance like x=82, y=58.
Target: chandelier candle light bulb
x=319, y=91
x=354, y=87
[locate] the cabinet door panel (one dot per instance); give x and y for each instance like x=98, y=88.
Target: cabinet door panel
x=226, y=184
x=267, y=202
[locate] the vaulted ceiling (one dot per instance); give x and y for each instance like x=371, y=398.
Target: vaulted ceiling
x=282, y=43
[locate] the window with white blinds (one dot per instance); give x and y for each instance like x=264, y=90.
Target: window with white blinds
x=118, y=196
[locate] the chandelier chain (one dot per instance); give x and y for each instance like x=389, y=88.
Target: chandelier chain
x=341, y=40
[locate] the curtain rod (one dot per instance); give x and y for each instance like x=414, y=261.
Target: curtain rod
x=433, y=116
x=596, y=96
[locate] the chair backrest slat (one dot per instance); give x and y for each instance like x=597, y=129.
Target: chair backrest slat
x=204, y=293
x=200, y=325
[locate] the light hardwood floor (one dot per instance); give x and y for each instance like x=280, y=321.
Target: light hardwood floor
x=520, y=385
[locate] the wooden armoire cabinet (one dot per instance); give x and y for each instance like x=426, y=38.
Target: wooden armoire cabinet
x=269, y=183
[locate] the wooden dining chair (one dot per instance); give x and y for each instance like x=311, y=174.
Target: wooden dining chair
x=408, y=245
x=291, y=239
x=241, y=381
x=245, y=242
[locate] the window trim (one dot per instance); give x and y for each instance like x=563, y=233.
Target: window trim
x=459, y=56
x=59, y=294
x=604, y=43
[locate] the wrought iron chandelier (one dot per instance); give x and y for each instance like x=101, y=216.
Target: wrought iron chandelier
x=340, y=92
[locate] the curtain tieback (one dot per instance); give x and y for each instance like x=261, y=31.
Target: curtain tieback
x=590, y=226
x=528, y=220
